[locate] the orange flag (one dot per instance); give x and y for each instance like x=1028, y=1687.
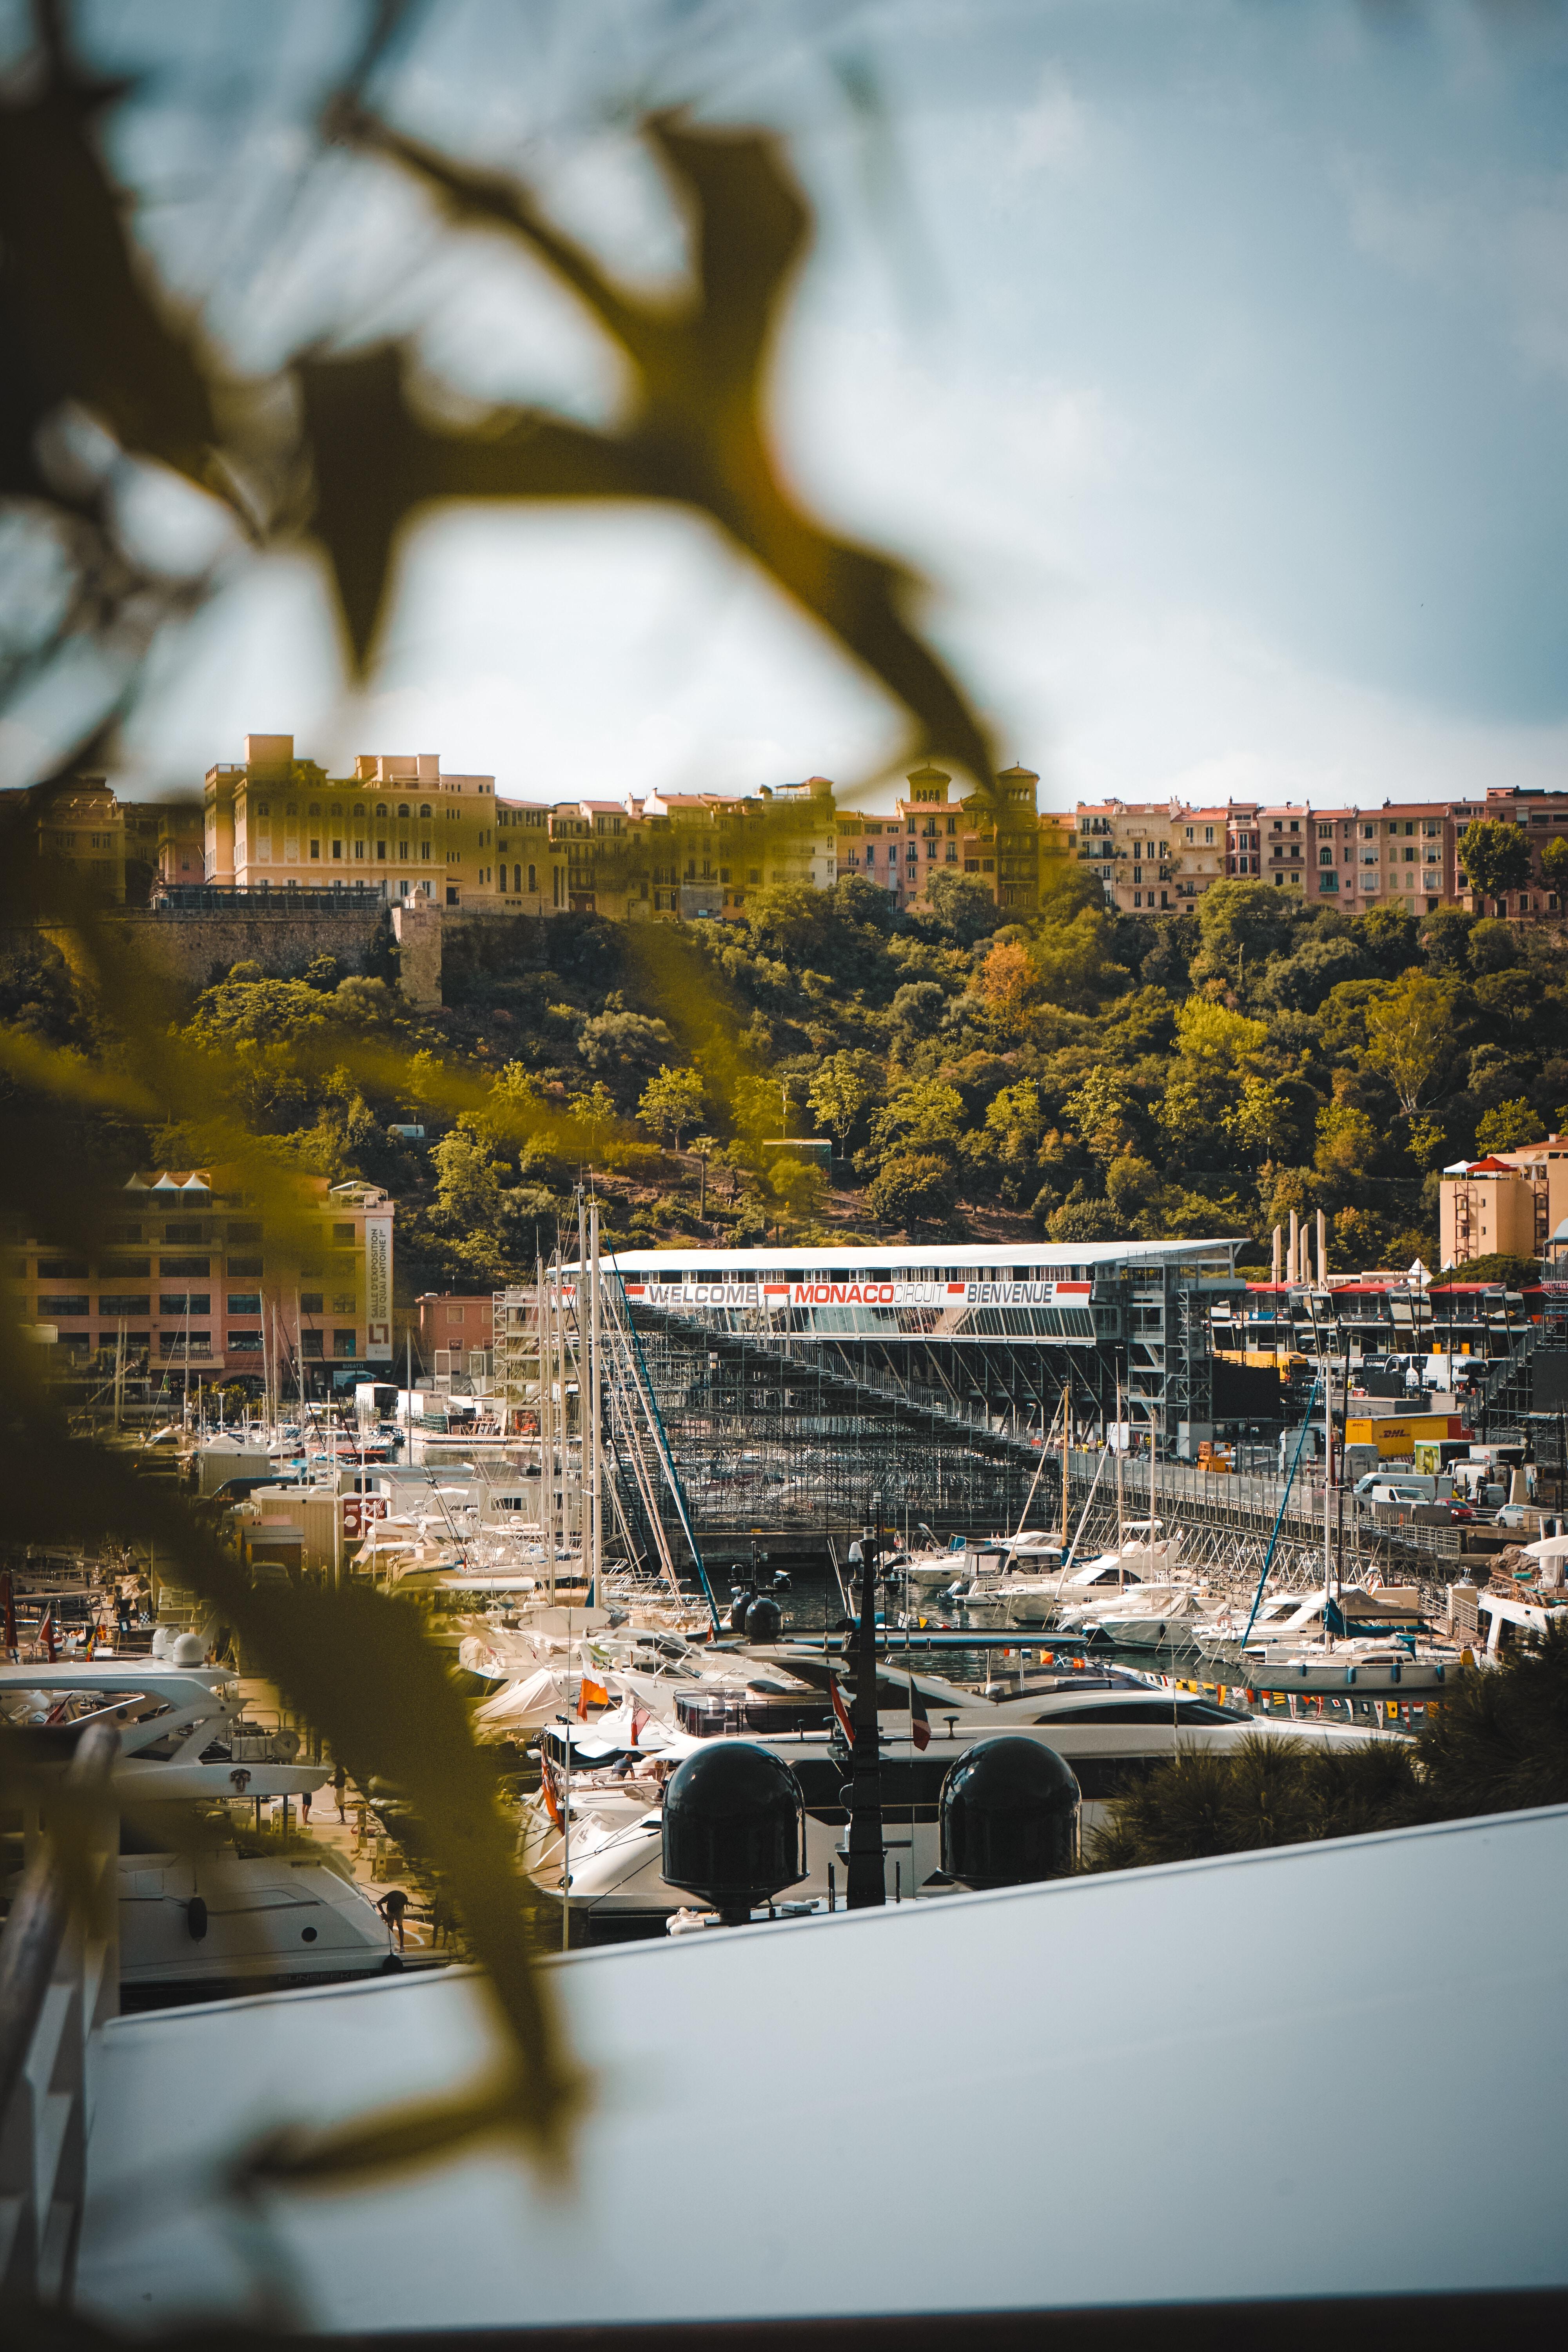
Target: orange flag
x=592, y=1694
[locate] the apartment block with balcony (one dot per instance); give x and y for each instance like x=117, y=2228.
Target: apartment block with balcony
x=193, y=1281
x=531, y=874
x=1405, y=856
x=1543, y=817
x=994, y=839
x=1135, y=849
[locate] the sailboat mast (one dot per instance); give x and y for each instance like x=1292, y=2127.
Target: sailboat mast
x=596, y=1389
x=1328, y=1493
x=1120, y=1514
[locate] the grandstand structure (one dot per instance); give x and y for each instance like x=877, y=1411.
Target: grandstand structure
x=791, y=1386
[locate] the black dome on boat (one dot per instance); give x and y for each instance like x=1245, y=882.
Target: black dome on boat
x=765, y=1619
x=734, y=1827
x=1009, y=1815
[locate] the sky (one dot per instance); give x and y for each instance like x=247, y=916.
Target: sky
x=1209, y=358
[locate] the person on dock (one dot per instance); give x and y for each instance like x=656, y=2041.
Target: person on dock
x=340, y=1788
x=391, y=1907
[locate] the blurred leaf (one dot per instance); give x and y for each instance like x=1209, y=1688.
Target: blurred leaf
x=81, y=322
x=698, y=435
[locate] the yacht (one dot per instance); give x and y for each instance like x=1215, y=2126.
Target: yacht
x=608, y=1788
x=1153, y=1617
x=225, y=1910
x=1065, y=1596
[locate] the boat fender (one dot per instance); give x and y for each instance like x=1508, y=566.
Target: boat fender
x=196, y=1919
x=392, y=1966
x=1440, y=1674
x=1394, y=1674
x=1350, y=1674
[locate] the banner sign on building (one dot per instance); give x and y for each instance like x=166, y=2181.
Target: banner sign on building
x=378, y=1289
x=859, y=1291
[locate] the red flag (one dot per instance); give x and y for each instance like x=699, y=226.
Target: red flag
x=48, y=1630
x=842, y=1712
x=590, y=1694
x=641, y=1718
x=547, y=1788
x=919, y=1729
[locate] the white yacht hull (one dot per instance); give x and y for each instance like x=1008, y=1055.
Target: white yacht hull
x=219, y=1922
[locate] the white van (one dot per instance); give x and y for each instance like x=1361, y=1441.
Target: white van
x=1382, y=1487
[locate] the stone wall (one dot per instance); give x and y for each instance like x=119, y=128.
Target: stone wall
x=198, y=948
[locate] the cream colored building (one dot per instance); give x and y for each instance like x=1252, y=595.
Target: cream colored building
x=1489, y=1207
x=398, y=823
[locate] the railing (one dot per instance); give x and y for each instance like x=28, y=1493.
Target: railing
x=59, y=1981
x=282, y=898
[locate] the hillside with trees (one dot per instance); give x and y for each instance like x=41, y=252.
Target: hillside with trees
x=1079, y=1076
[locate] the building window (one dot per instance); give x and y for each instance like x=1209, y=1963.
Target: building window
x=337, y=849
x=243, y=1302
x=381, y=851
x=315, y=848
x=342, y=1343
x=310, y=1346
x=309, y=1302
x=534, y=878
x=184, y=1302
x=342, y=1302
x=49, y=1308
x=245, y=1343
x=425, y=851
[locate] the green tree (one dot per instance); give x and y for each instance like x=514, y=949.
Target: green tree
x=1193, y=1110
x=1084, y=1221
x=672, y=1101
x=759, y=1107
x=797, y=1185
x=1427, y=1140
x=843, y=1090
x=1347, y=1142
x=1212, y=1034
x=1555, y=863
x=1073, y=963
x=1104, y=1111
x=468, y=1181
x=1129, y=1183
x=962, y=905
x=1506, y=1126
x=1410, y=1035
x=1241, y=925
x=920, y=1112
x=596, y=1109
x=1495, y=857
x=914, y=1188
x=1265, y=1120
